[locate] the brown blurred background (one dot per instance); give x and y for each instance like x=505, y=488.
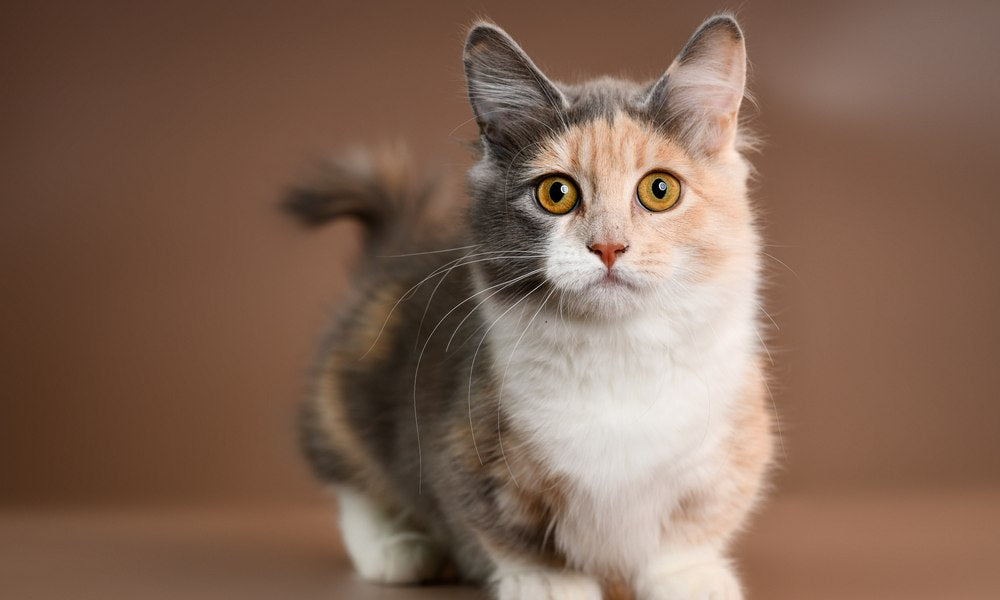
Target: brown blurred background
x=158, y=313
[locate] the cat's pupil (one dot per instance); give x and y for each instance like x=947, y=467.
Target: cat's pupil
x=660, y=188
x=558, y=191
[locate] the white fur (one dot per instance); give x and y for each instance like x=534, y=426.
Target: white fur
x=630, y=411
x=385, y=547
x=516, y=581
x=699, y=574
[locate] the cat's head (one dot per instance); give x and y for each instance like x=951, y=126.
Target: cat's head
x=612, y=196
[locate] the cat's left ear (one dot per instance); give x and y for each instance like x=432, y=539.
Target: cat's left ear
x=512, y=99
x=698, y=98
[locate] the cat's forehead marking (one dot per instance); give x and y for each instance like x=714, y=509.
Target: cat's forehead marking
x=608, y=148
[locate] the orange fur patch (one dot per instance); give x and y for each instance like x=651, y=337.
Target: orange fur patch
x=607, y=158
x=365, y=334
x=716, y=512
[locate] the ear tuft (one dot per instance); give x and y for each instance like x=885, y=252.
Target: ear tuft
x=483, y=33
x=699, y=96
x=511, y=98
x=716, y=30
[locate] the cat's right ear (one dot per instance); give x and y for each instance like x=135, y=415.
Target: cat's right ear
x=699, y=97
x=512, y=100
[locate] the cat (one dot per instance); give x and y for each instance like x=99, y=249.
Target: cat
x=562, y=397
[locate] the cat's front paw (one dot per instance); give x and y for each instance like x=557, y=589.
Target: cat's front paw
x=546, y=585
x=400, y=559
x=682, y=579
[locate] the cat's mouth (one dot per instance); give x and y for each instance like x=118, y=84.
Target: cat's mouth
x=610, y=278
x=614, y=280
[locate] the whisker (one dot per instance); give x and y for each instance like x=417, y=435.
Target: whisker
x=777, y=420
x=767, y=314
x=416, y=373
x=463, y=123
x=420, y=325
x=472, y=366
x=408, y=293
x=474, y=333
x=764, y=346
x=429, y=252
x=474, y=309
x=562, y=317
x=503, y=380
x=782, y=263
x=413, y=288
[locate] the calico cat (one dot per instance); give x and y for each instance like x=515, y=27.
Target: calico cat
x=563, y=398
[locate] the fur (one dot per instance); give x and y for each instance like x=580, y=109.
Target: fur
x=496, y=395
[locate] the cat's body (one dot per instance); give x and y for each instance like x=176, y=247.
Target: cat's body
x=570, y=401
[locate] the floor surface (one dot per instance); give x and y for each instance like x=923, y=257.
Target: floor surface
x=920, y=546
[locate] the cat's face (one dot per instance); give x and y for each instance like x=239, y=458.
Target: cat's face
x=610, y=197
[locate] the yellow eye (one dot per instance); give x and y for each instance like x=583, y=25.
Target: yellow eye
x=557, y=194
x=658, y=191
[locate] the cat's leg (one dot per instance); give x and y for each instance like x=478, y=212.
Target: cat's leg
x=386, y=546
x=516, y=580
x=691, y=563
x=689, y=574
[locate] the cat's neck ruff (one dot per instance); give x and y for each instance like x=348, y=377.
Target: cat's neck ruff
x=607, y=403
x=630, y=414
x=681, y=334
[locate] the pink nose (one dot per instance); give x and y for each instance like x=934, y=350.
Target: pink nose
x=608, y=252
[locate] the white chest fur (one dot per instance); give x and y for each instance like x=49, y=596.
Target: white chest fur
x=630, y=415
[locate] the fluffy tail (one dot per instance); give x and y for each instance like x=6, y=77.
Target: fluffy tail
x=397, y=202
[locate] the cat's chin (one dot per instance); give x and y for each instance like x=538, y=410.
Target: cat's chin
x=606, y=299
